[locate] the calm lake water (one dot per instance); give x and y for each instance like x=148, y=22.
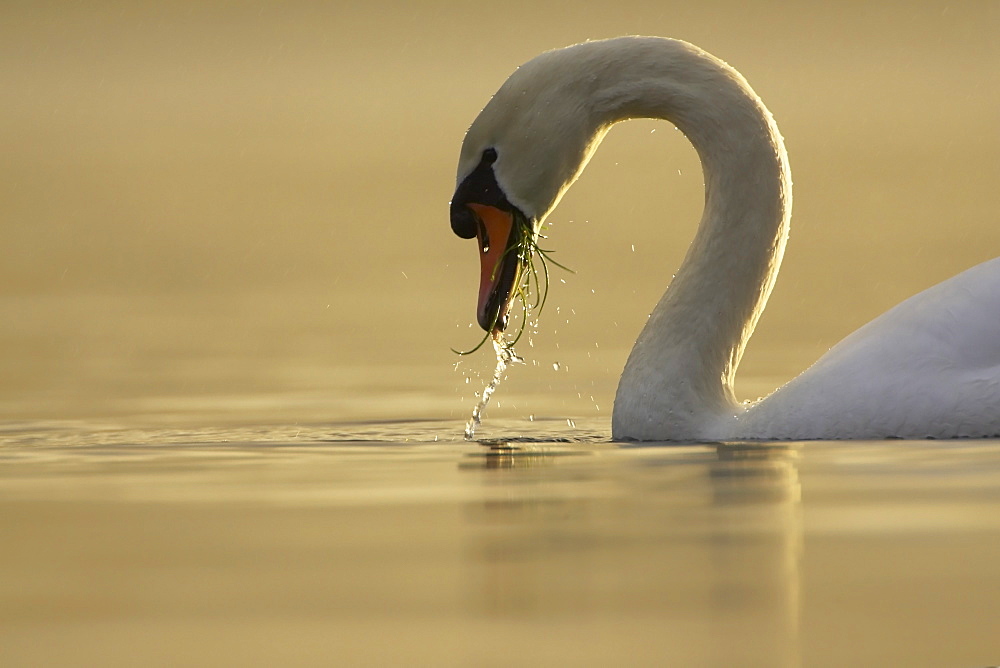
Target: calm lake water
x=379, y=543
x=230, y=417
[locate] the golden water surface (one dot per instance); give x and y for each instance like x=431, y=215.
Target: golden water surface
x=400, y=544
x=231, y=419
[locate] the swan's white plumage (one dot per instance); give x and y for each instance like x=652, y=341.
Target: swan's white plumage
x=927, y=368
x=930, y=367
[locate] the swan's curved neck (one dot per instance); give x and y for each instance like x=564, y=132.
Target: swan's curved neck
x=680, y=374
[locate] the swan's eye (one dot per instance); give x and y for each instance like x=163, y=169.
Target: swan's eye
x=490, y=156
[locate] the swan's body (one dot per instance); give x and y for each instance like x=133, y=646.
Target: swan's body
x=930, y=367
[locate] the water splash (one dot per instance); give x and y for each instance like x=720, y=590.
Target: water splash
x=505, y=356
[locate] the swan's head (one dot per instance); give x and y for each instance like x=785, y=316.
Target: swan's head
x=481, y=209
x=522, y=152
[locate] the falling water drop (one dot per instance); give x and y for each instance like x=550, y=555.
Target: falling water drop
x=505, y=356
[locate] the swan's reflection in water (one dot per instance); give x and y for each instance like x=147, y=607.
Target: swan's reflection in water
x=700, y=542
x=755, y=544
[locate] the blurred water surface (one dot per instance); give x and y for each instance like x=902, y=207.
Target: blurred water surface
x=374, y=543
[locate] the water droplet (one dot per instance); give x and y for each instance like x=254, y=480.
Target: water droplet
x=505, y=355
x=570, y=423
x=555, y=366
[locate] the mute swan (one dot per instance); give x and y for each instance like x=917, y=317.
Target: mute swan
x=930, y=367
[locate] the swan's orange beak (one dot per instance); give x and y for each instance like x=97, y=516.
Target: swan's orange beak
x=500, y=265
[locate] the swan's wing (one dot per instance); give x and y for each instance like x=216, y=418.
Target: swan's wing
x=930, y=367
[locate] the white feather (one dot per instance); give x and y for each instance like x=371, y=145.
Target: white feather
x=930, y=367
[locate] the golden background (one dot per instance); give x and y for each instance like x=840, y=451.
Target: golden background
x=238, y=211
x=225, y=230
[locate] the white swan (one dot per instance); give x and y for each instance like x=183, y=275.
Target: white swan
x=930, y=367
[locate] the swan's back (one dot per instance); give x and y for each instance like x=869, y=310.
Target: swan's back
x=928, y=368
